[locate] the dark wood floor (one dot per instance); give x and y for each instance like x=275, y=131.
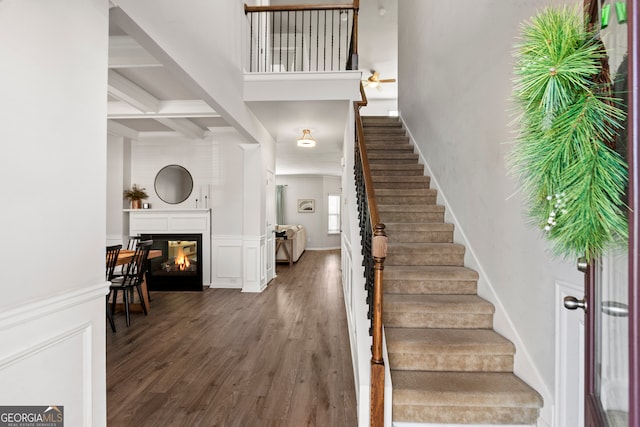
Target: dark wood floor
x=226, y=358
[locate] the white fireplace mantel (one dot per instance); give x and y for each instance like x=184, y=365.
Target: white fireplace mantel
x=144, y=221
x=175, y=221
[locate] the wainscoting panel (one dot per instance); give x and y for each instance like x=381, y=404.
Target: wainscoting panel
x=253, y=248
x=53, y=353
x=227, y=262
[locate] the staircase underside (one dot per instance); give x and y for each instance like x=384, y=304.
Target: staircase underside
x=447, y=363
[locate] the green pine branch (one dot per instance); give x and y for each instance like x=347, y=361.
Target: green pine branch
x=573, y=183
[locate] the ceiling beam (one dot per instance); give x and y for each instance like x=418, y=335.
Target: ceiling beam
x=129, y=92
x=167, y=109
x=183, y=126
x=125, y=52
x=118, y=129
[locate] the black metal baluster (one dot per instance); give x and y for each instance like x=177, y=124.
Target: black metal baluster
x=295, y=42
x=333, y=20
x=288, y=20
x=324, y=65
x=271, y=44
x=280, y=43
x=309, y=41
x=251, y=41
x=317, y=40
x=339, y=38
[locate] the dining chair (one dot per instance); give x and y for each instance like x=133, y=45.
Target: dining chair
x=133, y=275
x=112, y=258
x=133, y=242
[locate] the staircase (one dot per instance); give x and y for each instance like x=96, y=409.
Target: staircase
x=447, y=364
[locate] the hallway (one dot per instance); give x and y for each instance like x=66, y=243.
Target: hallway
x=226, y=358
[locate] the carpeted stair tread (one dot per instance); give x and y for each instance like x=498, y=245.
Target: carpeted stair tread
x=420, y=253
x=410, y=208
x=416, y=196
x=453, y=341
x=429, y=272
x=463, y=397
x=437, y=303
x=430, y=280
x=427, y=232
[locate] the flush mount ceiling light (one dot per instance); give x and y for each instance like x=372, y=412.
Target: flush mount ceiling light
x=306, y=140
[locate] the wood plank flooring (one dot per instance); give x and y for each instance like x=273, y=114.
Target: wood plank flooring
x=226, y=358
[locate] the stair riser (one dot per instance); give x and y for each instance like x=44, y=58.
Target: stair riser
x=464, y=415
x=393, y=155
x=438, y=320
x=412, y=216
x=389, y=148
x=434, y=287
x=406, y=200
x=383, y=130
x=420, y=237
x=400, y=185
x=391, y=161
x=436, y=258
x=381, y=122
x=387, y=139
x=444, y=361
x=381, y=170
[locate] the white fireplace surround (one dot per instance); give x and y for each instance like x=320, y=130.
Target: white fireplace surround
x=176, y=221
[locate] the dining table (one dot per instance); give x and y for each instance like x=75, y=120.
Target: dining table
x=125, y=257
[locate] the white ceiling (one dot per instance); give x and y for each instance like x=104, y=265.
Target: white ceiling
x=146, y=99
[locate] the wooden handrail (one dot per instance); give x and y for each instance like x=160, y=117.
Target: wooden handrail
x=379, y=253
x=298, y=7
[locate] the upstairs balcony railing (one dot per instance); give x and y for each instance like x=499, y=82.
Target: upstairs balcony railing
x=302, y=38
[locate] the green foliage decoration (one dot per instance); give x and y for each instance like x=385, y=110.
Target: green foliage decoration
x=135, y=193
x=573, y=183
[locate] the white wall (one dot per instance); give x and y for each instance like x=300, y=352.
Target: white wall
x=115, y=186
x=52, y=311
x=311, y=187
x=455, y=82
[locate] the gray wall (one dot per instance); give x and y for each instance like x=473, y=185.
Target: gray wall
x=311, y=187
x=455, y=83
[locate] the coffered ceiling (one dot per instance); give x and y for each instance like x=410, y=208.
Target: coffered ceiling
x=146, y=99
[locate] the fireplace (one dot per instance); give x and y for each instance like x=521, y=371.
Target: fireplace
x=180, y=266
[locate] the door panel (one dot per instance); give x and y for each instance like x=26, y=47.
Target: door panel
x=611, y=322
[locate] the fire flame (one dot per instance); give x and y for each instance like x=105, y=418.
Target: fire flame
x=181, y=260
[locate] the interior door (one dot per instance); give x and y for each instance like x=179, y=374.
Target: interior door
x=611, y=295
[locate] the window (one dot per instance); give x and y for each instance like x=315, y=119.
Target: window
x=333, y=212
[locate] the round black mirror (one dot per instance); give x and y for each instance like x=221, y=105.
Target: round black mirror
x=173, y=184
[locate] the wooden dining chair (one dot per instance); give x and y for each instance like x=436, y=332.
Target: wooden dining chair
x=133, y=275
x=112, y=258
